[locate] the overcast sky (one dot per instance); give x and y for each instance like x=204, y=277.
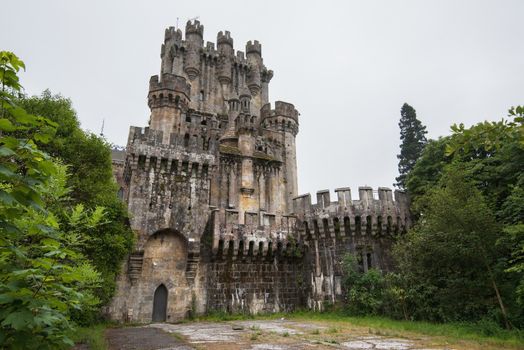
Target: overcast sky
x=348, y=66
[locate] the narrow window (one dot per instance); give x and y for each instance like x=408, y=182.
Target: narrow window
x=308, y=232
x=368, y=224
x=358, y=225
x=389, y=225
x=220, y=248
x=240, y=248
x=141, y=162
x=315, y=228
x=336, y=226
x=347, y=226
x=325, y=224
x=251, y=248
x=231, y=248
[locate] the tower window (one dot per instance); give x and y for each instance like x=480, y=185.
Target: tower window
x=201, y=97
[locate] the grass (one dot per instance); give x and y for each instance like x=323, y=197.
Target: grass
x=92, y=336
x=487, y=336
x=450, y=331
x=474, y=332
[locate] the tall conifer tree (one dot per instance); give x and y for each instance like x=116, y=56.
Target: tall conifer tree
x=413, y=138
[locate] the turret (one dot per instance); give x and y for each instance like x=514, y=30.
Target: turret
x=245, y=100
x=195, y=41
x=166, y=98
x=230, y=137
x=266, y=77
x=170, y=49
x=225, y=50
x=254, y=61
x=284, y=118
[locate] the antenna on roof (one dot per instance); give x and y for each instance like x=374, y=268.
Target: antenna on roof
x=102, y=130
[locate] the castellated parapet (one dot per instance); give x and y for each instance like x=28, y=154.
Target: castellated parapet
x=211, y=187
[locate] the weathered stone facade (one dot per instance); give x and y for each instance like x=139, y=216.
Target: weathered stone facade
x=211, y=186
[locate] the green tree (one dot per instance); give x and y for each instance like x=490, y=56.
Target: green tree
x=91, y=180
x=491, y=153
x=450, y=258
x=365, y=290
x=413, y=140
x=43, y=274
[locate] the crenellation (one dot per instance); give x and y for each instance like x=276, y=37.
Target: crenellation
x=224, y=38
x=211, y=186
x=194, y=27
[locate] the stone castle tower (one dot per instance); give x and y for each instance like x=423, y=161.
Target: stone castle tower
x=211, y=186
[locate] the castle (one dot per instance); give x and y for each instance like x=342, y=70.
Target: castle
x=211, y=187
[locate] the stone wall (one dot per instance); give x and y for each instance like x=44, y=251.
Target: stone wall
x=255, y=285
x=365, y=228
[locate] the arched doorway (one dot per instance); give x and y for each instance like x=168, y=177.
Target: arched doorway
x=160, y=304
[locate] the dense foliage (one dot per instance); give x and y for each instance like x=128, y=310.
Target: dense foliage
x=44, y=276
x=413, y=140
x=464, y=258
x=91, y=181
x=63, y=231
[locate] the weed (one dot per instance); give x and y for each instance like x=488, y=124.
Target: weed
x=332, y=330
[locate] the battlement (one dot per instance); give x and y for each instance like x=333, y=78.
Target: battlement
x=194, y=28
x=253, y=47
x=282, y=109
x=240, y=59
x=245, y=122
x=373, y=212
x=261, y=235
x=173, y=34
x=367, y=198
x=170, y=82
x=143, y=140
x=224, y=38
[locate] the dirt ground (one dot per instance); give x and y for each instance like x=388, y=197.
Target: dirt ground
x=271, y=335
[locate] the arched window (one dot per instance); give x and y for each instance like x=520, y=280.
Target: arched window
x=186, y=140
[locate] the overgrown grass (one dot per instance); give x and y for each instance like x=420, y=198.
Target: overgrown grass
x=92, y=336
x=483, y=332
